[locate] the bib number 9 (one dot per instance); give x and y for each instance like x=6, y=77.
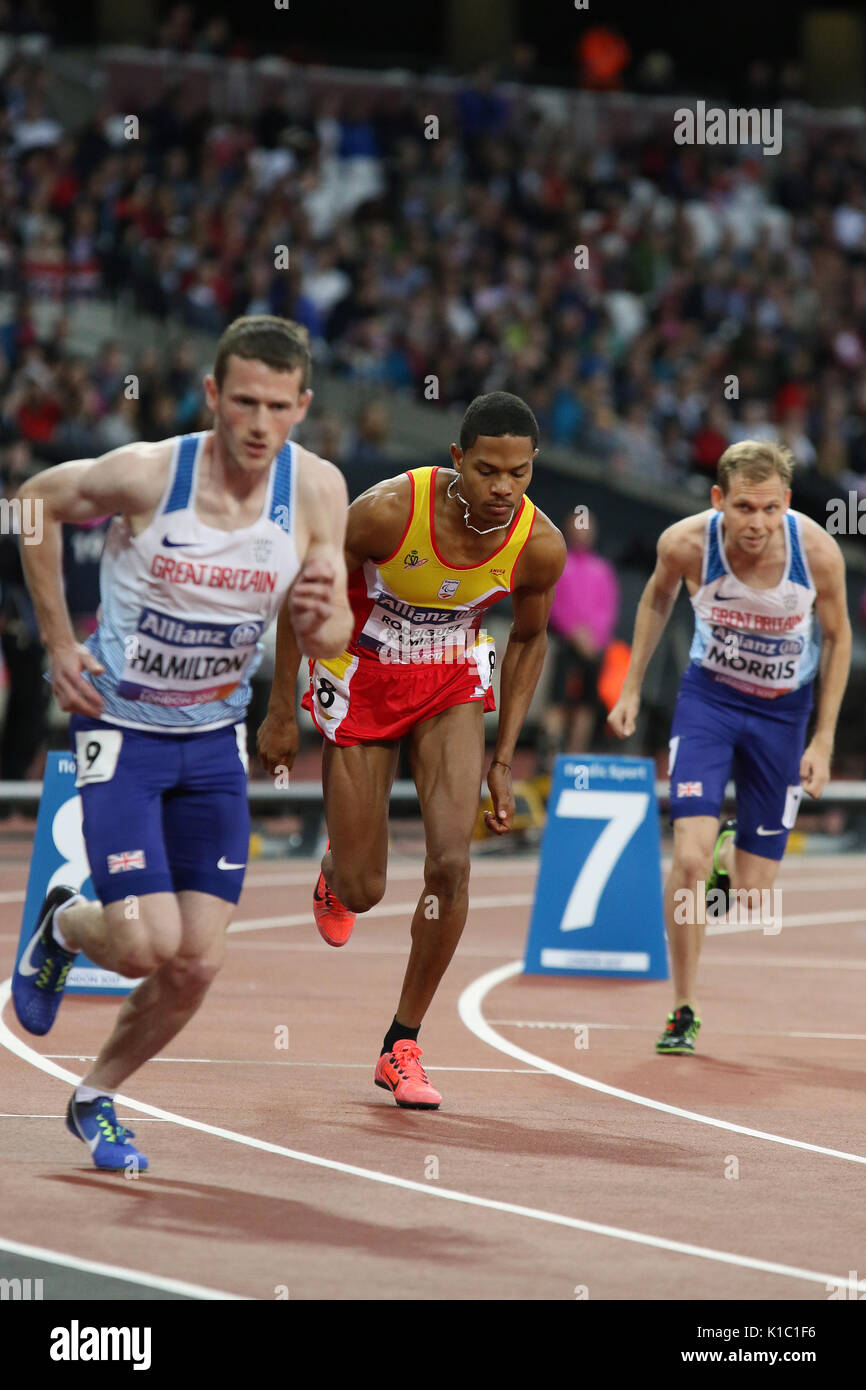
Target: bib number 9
x=96, y=755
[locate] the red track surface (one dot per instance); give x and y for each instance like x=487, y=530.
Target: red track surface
x=216, y=1212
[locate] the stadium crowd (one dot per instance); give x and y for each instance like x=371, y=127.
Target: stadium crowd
x=653, y=302
x=722, y=293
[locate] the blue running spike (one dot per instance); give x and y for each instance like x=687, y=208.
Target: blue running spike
x=40, y=975
x=95, y=1122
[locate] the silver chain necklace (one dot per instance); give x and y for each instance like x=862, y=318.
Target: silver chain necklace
x=462, y=499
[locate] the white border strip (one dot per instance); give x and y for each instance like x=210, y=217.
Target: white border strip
x=469, y=1008
x=36, y=1059
x=151, y=1281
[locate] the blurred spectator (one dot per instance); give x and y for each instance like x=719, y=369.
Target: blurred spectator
x=410, y=258
x=582, y=622
x=603, y=55
x=82, y=554
x=366, y=443
x=23, y=730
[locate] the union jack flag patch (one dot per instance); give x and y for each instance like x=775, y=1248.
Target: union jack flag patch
x=690, y=788
x=129, y=859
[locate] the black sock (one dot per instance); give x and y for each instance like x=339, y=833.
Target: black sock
x=396, y=1031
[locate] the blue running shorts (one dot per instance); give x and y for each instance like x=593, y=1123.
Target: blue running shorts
x=718, y=733
x=163, y=812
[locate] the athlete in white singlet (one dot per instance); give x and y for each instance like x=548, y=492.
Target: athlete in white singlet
x=759, y=576
x=213, y=533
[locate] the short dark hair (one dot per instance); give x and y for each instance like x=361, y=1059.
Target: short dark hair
x=496, y=414
x=279, y=343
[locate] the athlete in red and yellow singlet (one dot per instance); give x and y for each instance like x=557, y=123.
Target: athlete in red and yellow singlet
x=427, y=553
x=418, y=643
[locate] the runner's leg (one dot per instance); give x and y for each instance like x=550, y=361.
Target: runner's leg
x=356, y=784
x=447, y=754
x=694, y=838
x=115, y=938
x=165, y=1002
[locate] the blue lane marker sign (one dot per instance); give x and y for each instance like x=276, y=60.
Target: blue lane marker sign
x=59, y=856
x=598, y=901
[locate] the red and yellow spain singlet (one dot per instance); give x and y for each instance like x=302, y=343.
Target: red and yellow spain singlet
x=418, y=643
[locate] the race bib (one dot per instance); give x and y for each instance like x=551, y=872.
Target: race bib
x=173, y=662
x=96, y=755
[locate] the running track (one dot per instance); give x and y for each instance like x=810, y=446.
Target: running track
x=563, y=1170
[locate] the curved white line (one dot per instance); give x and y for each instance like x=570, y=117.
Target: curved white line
x=150, y=1281
x=36, y=1059
x=469, y=1007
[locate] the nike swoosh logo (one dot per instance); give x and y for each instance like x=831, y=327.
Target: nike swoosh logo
x=91, y=1143
x=24, y=966
x=762, y=831
x=173, y=544
x=223, y=865
x=724, y=596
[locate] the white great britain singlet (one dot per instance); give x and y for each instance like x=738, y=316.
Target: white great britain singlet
x=183, y=605
x=759, y=641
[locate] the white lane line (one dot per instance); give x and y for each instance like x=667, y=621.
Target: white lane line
x=786, y=920
x=480, y=904
x=140, y=1119
x=497, y=952
x=790, y=962
x=245, y=1062
x=149, y=1281
x=298, y=919
x=397, y=873
x=28, y=1054
x=469, y=1008
x=648, y=1028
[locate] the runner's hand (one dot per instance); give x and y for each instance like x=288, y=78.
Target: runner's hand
x=277, y=742
x=623, y=716
x=72, y=692
x=815, y=769
x=311, y=600
x=500, y=819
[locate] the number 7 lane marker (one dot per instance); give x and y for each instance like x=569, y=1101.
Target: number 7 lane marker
x=469, y=1008
x=36, y=1059
x=624, y=812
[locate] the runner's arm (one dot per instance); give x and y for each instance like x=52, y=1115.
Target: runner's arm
x=831, y=610
x=527, y=640
x=654, y=609
x=129, y=480
x=73, y=492
x=318, y=604
x=374, y=524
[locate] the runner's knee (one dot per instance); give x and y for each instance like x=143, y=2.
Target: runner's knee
x=446, y=872
x=362, y=890
x=189, y=976
x=691, y=864
x=141, y=956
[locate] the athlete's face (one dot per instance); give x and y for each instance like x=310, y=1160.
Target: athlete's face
x=495, y=472
x=255, y=410
x=753, y=513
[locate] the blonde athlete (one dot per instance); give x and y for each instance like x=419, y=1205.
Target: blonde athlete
x=758, y=575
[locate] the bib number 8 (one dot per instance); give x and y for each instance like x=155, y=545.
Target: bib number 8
x=326, y=693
